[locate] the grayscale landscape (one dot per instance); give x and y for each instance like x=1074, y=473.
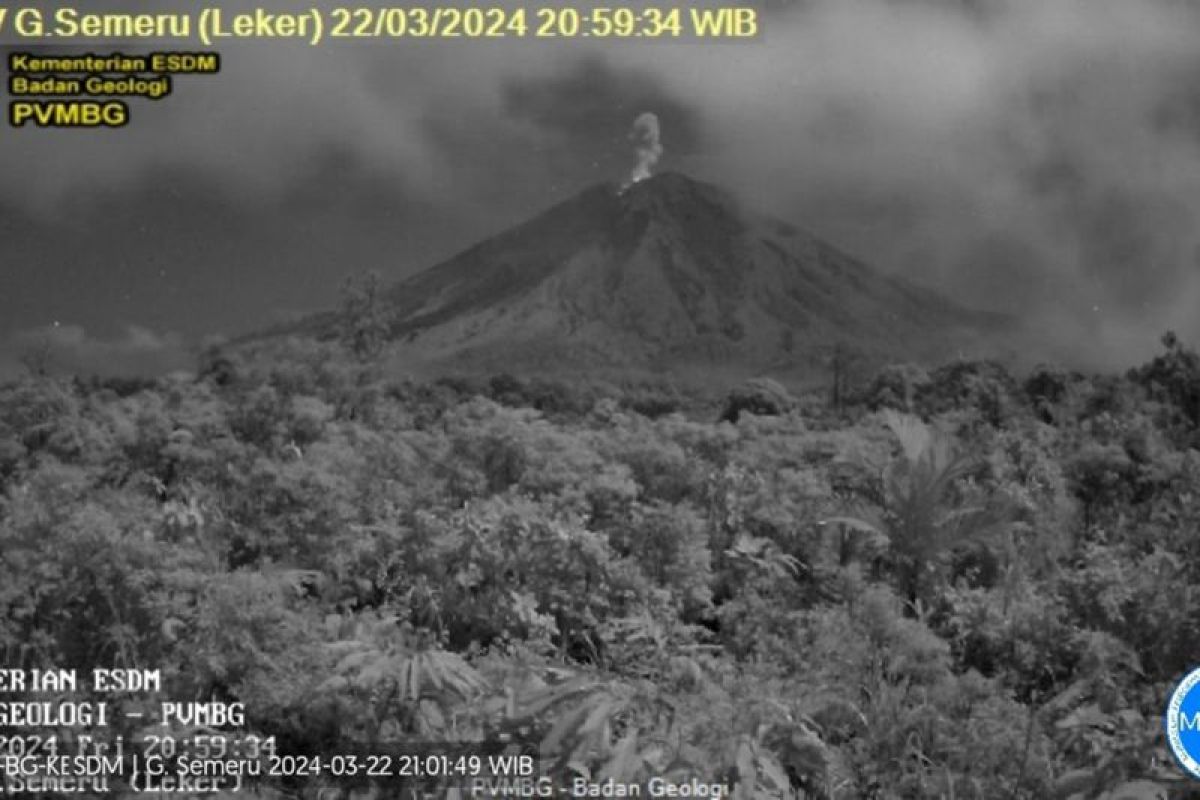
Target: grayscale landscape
x=810, y=417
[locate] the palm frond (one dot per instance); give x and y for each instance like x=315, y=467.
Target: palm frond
x=914, y=435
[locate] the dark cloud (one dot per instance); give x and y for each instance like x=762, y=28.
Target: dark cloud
x=1041, y=158
x=589, y=106
x=173, y=248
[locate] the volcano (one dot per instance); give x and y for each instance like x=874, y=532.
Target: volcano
x=671, y=271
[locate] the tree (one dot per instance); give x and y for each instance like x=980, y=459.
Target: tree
x=922, y=517
x=217, y=365
x=896, y=386
x=761, y=396
x=985, y=386
x=38, y=359
x=1174, y=377
x=843, y=360
x=364, y=327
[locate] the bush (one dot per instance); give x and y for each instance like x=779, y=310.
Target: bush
x=760, y=396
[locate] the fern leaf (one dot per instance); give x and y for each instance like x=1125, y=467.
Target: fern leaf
x=914, y=435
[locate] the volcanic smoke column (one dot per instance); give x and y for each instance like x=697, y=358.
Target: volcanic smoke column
x=647, y=146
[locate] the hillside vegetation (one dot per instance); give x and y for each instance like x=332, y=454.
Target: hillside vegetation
x=959, y=584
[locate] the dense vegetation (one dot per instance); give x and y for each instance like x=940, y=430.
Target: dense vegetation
x=962, y=584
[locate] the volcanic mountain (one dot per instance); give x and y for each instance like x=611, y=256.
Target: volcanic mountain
x=669, y=272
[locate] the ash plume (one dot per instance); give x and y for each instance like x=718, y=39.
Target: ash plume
x=646, y=144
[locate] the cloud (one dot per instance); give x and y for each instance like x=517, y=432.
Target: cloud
x=276, y=105
x=1040, y=158
x=69, y=349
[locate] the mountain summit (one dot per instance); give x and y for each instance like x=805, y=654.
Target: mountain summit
x=671, y=271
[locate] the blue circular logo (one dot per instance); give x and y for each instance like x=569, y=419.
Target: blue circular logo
x=1183, y=723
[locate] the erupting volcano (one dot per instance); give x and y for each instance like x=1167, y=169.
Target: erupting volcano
x=668, y=272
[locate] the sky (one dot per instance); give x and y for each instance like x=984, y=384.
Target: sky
x=1038, y=157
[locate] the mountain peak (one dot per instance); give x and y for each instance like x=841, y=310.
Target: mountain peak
x=676, y=185
x=672, y=194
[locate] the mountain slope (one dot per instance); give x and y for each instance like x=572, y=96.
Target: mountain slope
x=672, y=271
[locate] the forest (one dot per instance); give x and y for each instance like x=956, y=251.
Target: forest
x=956, y=582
